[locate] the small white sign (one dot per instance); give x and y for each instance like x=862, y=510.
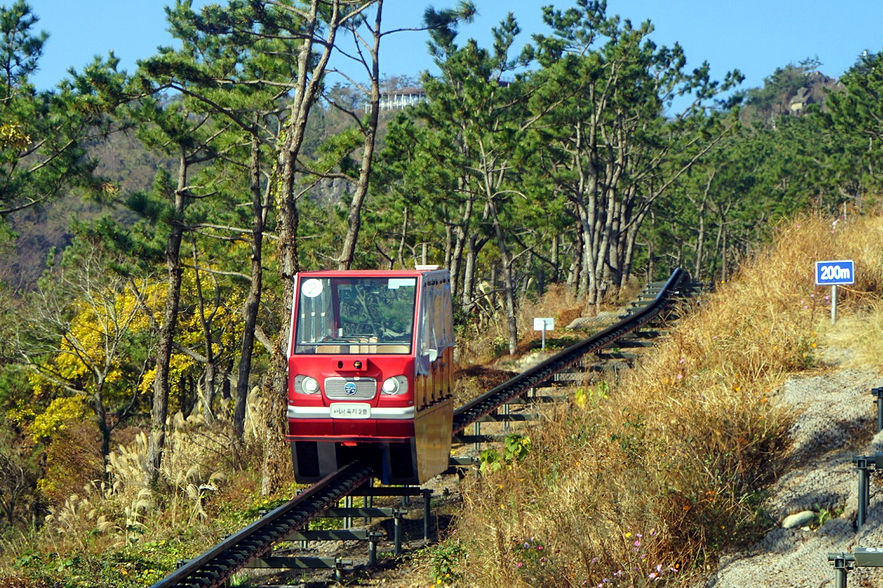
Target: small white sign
x=544, y=324
x=312, y=288
x=350, y=410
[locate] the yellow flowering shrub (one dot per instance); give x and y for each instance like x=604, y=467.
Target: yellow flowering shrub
x=58, y=416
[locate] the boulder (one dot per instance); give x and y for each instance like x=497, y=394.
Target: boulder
x=800, y=519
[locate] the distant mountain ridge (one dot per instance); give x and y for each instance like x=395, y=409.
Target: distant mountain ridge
x=790, y=91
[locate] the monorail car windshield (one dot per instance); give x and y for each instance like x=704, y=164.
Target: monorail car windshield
x=370, y=373
x=346, y=314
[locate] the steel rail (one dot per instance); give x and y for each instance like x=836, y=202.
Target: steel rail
x=532, y=377
x=216, y=565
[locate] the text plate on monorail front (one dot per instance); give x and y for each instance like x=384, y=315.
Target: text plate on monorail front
x=350, y=410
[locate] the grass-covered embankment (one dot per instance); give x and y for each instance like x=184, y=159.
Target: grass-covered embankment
x=646, y=483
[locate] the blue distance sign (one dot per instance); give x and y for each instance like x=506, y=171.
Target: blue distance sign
x=830, y=273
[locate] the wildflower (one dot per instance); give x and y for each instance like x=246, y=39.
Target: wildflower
x=519, y=564
x=659, y=568
x=526, y=545
x=652, y=575
x=637, y=544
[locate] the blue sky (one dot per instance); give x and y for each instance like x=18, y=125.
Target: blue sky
x=755, y=36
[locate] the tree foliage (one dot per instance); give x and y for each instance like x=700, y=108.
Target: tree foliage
x=42, y=134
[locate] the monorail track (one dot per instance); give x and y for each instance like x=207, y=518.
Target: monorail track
x=542, y=372
x=216, y=566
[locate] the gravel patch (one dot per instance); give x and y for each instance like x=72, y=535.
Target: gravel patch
x=835, y=421
x=603, y=318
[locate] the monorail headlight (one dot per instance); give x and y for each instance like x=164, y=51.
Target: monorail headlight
x=390, y=386
x=306, y=384
x=395, y=385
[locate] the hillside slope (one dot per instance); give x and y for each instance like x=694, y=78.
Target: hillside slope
x=686, y=465
x=834, y=423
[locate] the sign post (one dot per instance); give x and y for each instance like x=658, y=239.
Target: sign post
x=833, y=273
x=544, y=324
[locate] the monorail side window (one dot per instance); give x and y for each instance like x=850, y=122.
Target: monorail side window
x=437, y=328
x=355, y=315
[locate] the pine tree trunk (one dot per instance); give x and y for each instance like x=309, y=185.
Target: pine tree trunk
x=253, y=300
x=310, y=70
x=473, y=248
x=160, y=409
x=354, y=217
x=103, y=427
x=400, y=254
x=276, y=468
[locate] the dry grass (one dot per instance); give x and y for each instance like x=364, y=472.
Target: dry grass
x=861, y=334
x=124, y=518
x=487, y=340
x=656, y=478
x=119, y=512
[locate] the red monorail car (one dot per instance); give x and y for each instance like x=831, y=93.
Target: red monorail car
x=370, y=366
